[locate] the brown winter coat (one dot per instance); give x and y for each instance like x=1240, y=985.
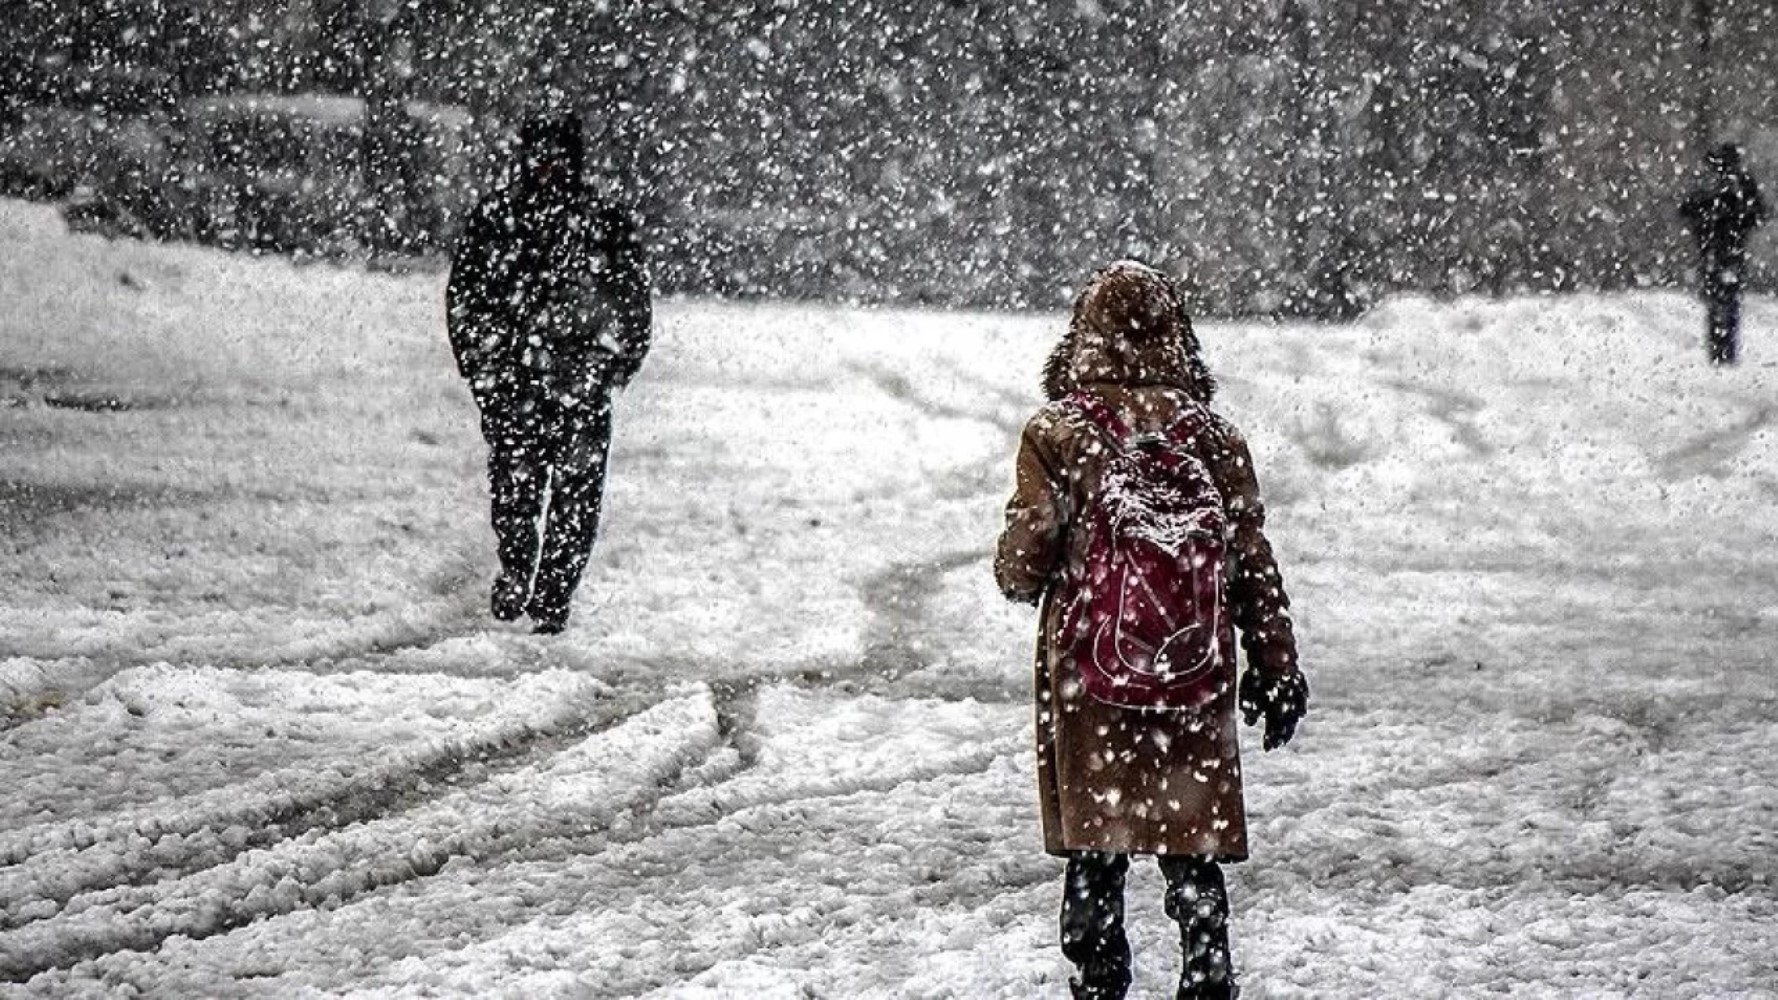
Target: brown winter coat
x=1110, y=778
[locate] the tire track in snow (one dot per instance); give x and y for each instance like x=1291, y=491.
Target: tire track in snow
x=901, y=641
x=904, y=635
x=1453, y=408
x=1706, y=454
x=901, y=388
x=798, y=791
x=93, y=924
x=42, y=679
x=43, y=867
x=576, y=792
x=705, y=799
x=718, y=813
x=900, y=637
x=770, y=823
x=596, y=887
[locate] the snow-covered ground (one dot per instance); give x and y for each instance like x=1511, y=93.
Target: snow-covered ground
x=260, y=738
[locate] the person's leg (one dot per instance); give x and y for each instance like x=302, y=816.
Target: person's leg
x=576, y=499
x=1731, y=324
x=1723, y=301
x=1198, y=900
x=516, y=476
x=1093, y=924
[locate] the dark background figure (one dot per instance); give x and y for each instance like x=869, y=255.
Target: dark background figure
x=549, y=314
x=1721, y=214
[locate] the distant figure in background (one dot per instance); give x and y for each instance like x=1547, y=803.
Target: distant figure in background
x=549, y=314
x=1137, y=527
x=1720, y=215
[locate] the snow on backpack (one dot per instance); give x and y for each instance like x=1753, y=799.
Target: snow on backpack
x=1144, y=616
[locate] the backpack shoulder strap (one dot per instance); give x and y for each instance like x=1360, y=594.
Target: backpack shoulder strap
x=1193, y=421
x=1100, y=414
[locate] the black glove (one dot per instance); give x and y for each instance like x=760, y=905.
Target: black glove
x=1283, y=702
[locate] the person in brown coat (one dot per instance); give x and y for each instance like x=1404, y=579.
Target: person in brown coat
x=1117, y=781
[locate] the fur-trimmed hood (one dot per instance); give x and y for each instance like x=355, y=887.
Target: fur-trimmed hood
x=1130, y=327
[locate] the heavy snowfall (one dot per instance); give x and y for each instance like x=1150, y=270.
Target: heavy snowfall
x=261, y=738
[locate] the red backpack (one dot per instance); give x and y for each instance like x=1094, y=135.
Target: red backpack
x=1145, y=617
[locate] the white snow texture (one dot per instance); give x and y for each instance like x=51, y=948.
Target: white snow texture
x=259, y=737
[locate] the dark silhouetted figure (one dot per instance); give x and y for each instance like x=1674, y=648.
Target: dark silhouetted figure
x=1720, y=215
x=549, y=314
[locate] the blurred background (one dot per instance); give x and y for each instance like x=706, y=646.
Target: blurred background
x=1288, y=157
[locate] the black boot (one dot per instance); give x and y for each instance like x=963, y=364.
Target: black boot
x=1093, y=925
x=1198, y=900
x=547, y=619
x=1082, y=990
x=509, y=597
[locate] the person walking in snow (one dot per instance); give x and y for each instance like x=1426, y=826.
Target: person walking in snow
x=1721, y=214
x=1133, y=495
x=549, y=314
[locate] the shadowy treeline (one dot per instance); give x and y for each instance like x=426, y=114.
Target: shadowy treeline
x=1287, y=156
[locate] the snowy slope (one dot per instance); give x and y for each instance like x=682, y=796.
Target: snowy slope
x=263, y=740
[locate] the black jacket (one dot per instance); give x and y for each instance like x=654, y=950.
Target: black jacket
x=548, y=292
x=1721, y=215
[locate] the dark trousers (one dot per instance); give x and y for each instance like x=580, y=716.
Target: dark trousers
x=1723, y=299
x=546, y=472
x=1093, y=924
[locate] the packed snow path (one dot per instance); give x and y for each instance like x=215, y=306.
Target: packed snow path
x=260, y=738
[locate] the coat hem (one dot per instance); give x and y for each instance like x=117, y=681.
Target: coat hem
x=1220, y=857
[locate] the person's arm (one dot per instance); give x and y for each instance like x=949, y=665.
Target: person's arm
x=1257, y=599
x=1029, y=555
x=470, y=317
x=602, y=314
x=631, y=329
x=1273, y=686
